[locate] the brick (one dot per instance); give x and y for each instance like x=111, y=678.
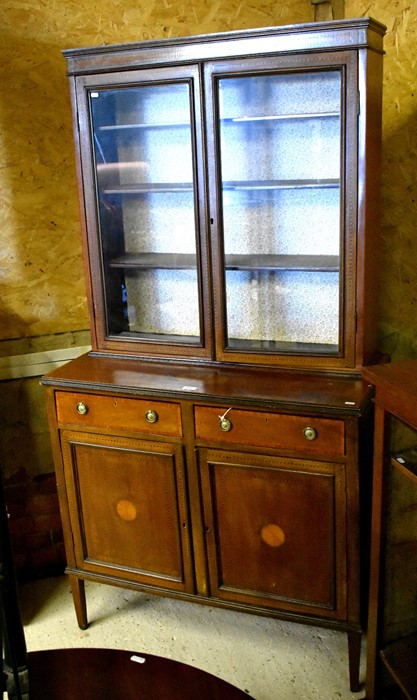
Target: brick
x=57, y=536
x=20, y=526
x=47, y=556
x=43, y=504
x=16, y=509
x=46, y=483
x=35, y=525
x=48, y=522
x=21, y=560
x=15, y=494
x=37, y=540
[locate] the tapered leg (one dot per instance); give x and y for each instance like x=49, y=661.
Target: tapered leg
x=354, y=646
x=78, y=594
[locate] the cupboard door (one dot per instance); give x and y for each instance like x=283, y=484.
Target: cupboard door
x=143, y=151
x=128, y=510
x=276, y=531
x=283, y=179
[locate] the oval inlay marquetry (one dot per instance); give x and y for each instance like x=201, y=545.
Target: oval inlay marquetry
x=273, y=535
x=126, y=510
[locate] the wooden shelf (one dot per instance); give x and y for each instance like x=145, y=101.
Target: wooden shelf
x=149, y=188
x=155, y=261
x=140, y=126
x=279, y=117
x=280, y=184
x=228, y=120
x=282, y=346
x=293, y=263
x=159, y=337
x=247, y=345
x=238, y=185
x=176, y=261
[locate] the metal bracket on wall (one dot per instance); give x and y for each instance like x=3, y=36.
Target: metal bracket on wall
x=328, y=9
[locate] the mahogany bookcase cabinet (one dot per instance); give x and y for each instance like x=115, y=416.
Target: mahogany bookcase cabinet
x=392, y=635
x=210, y=445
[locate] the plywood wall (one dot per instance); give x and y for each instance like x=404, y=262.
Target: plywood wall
x=42, y=287
x=398, y=274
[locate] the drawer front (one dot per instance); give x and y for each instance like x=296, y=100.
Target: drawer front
x=280, y=431
x=114, y=412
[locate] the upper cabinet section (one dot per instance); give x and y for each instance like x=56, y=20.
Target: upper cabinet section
x=229, y=188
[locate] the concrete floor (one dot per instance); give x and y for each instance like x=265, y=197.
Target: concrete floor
x=270, y=659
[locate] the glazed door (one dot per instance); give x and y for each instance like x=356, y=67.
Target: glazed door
x=128, y=511
x=141, y=148
x=276, y=532
x=283, y=189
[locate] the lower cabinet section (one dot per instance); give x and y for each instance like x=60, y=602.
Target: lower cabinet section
x=276, y=531
x=127, y=508
x=250, y=506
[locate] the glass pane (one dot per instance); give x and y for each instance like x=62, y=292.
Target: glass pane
x=280, y=168
x=144, y=175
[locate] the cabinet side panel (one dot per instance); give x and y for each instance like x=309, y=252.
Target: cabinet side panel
x=60, y=476
x=369, y=154
x=77, y=125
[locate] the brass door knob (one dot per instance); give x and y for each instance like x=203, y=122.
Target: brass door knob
x=82, y=408
x=225, y=425
x=151, y=416
x=310, y=433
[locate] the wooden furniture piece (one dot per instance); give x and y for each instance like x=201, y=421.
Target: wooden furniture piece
x=212, y=445
x=392, y=627
x=65, y=674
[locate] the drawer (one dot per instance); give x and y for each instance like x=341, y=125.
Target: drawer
x=281, y=431
x=114, y=412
